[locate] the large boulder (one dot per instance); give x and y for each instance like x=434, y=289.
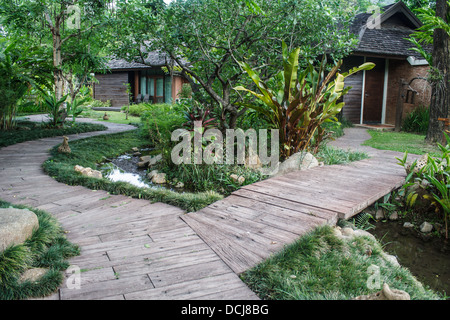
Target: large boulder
x=16, y=226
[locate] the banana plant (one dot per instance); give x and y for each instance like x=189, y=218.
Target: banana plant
x=74, y=108
x=298, y=102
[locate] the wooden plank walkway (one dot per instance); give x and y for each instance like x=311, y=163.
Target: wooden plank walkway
x=260, y=219
x=130, y=248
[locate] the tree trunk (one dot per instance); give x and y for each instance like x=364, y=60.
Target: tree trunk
x=440, y=95
x=57, y=62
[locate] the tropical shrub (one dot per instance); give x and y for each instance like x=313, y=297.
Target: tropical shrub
x=54, y=107
x=159, y=121
x=431, y=175
x=297, y=102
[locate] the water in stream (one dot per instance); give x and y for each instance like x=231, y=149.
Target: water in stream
x=124, y=168
x=426, y=260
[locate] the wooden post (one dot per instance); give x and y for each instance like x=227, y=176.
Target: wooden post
x=399, y=108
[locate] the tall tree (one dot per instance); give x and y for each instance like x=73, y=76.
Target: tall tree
x=208, y=39
x=436, y=31
x=62, y=25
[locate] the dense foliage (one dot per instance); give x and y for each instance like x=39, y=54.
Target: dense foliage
x=206, y=40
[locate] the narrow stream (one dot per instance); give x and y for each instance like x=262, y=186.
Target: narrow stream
x=426, y=260
x=124, y=168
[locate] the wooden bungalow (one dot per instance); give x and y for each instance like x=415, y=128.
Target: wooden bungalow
x=385, y=94
x=150, y=82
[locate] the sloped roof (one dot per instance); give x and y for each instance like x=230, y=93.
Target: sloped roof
x=153, y=59
x=389, y=38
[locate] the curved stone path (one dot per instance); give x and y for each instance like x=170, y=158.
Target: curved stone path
x=130, y=248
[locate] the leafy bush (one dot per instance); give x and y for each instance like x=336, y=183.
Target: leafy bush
x=159, y=121
x=98, y=104
x=321, y=266
x=217, y=177
x=332, y=156
x=20, y=68
x=417, y=120
x=138, y=109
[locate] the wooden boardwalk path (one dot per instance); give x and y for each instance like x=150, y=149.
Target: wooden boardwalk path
x=133, y=249
x=260, y=219
x=130, y=248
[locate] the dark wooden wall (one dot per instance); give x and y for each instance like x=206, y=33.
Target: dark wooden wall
x=111, y=87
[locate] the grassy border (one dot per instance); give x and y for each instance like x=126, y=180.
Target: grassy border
x=8, y=138
x=61, y=168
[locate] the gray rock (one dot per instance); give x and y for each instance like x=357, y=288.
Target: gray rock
x=147, y=161
x=408, y=225
x=88, y=172
x=32, y=275
x=159, y=178
x=298, y=161
x=426, y=227
x=238, y=179
x=393, y=216
x=379, y=215
x=16, y=226
x=390, y=258
x=386, y=294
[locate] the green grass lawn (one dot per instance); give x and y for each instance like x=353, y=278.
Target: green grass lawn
x=401, y=141
x=114, y=116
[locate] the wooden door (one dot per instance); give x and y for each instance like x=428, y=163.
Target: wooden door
x=373, y=93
